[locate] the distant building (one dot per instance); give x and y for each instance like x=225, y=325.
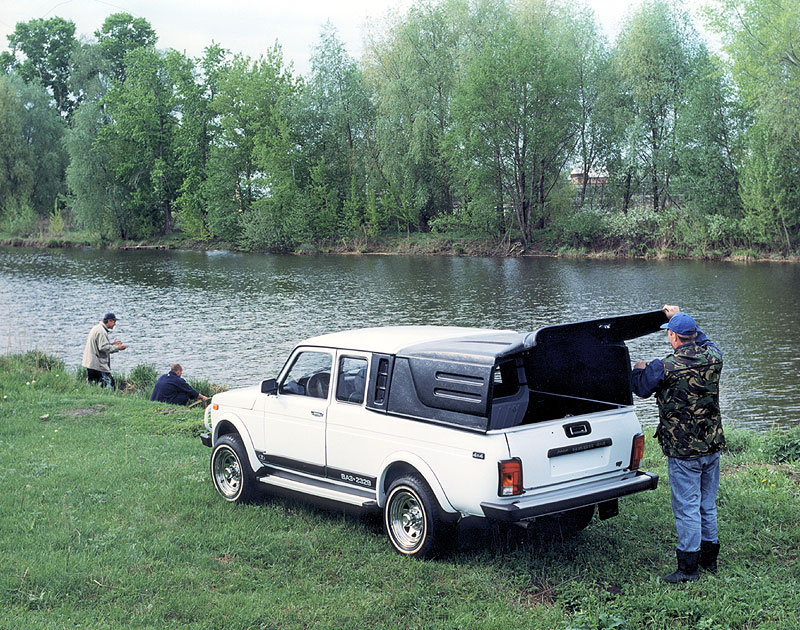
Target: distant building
x=595, y=179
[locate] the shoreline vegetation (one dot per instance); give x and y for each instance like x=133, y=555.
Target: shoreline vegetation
x=109, y=519
x=466, y=127
x=415, y=244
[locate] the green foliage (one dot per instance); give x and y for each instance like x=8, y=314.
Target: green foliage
x=46, y=46
x=784, y=446
x=19, y=220
x=463, y=115
x=119, y=35
x=141, y=379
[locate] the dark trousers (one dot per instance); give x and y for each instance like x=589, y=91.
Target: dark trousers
x=104, y=379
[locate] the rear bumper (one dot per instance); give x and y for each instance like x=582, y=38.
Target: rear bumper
x=568, y=499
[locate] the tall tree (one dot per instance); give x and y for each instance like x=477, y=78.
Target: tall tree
x=16, y=157
x=40, y=51
x=761, y=38
x=656, y=51
x=249, y=93
x=337, y=118
x=596, y=92
x=120, y=34
x=711, y=140
x=140, y=141
x=517, y=107
x=196, y=87
x=413, y=69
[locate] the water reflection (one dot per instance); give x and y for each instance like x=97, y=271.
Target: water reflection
x=232, y=318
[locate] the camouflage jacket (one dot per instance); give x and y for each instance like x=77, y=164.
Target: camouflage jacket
x=686, y=384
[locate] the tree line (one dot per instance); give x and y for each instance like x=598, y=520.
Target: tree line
x=504, y=119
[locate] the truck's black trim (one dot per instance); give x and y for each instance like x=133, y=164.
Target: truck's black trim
x=578, y=448
x=294, y=464
x=205, y=438
x=312, y=484
x=366, y=482
x=511, y=512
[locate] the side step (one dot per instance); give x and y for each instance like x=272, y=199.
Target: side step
x=319, y=488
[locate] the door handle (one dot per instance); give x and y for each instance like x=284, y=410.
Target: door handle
x=317, y=414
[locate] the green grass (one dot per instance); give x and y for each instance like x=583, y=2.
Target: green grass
x=108, y=519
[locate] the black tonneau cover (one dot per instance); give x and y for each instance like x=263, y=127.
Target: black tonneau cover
x=450, y=381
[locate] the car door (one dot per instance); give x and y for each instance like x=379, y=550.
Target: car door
x=355, y=448
x=294, y=419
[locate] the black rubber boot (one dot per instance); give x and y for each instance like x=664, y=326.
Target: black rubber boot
x=708, y=555
x=687, y=567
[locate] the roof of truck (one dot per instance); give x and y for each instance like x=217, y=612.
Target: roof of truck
x=428, y=341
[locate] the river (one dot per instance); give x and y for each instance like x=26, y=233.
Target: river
x=232, y=318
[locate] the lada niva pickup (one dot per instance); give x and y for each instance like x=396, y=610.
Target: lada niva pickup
x=431, y=424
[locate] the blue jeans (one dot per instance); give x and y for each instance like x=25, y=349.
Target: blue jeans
x=694, y=482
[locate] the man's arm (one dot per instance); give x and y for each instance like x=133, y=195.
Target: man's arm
x=646, y=378
x=182, y=385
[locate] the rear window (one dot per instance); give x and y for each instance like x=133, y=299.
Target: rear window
x=505, y=380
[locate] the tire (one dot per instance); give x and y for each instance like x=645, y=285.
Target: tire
x=230, y=470
x=413, y=519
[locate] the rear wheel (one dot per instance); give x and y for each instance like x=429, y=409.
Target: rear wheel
x=230, y=470
x=412, y=518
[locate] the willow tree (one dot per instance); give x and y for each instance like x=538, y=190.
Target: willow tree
x=761, y=38
x=655, y=53
x=413, y=68
x=336, y=121
x=517, y=106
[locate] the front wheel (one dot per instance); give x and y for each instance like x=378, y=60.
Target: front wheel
x=412, y=518
x=230, y=470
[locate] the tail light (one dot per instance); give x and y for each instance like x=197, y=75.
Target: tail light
x=510, y=477
x=637, y=452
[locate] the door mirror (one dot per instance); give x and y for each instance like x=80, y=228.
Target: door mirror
x=270, y=387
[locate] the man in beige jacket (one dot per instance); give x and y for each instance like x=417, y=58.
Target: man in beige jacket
x=98, y=351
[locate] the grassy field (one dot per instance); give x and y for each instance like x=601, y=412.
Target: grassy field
x=108, y=519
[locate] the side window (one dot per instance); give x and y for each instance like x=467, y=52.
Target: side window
x=352, y=380
x=310, y=375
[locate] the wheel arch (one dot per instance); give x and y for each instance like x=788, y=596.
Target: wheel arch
x=232, y=424
x=403, y=463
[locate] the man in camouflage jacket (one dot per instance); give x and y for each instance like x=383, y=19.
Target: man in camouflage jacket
x=686, y=385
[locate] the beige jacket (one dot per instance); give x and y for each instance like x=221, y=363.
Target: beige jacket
x=98, y=350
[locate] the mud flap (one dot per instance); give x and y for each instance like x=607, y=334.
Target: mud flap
x=607, y=509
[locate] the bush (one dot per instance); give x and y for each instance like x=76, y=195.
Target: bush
x=20, y=220
x=140, y=381
x=37, y=361
x=784, y=446
x=580, y=227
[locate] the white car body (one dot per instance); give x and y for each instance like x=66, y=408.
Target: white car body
x=437, y=409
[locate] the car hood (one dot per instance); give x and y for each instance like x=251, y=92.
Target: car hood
x=242, y=398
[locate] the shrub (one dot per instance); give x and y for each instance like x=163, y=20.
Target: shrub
x=784, y=446
x=140, y=381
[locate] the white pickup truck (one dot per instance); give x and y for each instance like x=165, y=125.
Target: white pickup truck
x=431, y=424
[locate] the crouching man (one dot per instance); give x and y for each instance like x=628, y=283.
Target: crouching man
x=171, y=388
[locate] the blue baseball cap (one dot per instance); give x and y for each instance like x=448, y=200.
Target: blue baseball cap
x=110, y=316
x=681, y=324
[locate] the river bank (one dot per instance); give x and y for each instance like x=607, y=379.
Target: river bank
x=109, y=518
x=415, y=244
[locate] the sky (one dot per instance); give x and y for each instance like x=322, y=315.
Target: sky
x=249, y=26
